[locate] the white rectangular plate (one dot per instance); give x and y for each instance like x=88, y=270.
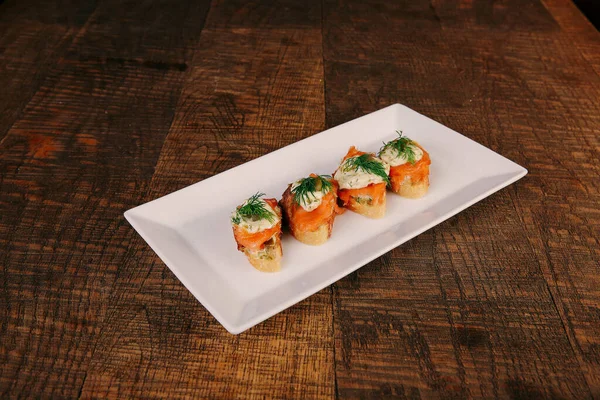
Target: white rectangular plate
x=191, y=232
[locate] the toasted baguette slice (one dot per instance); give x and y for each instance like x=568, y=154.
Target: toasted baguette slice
x=369, y=200
x=267, y=259
x=310, y=227
x=412, y=190
x=314, y=238
x=409, y=180
x=364, y=207
x=262, y=248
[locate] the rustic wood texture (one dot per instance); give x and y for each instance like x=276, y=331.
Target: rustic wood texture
x=32, y=38
x=519, y=270
x=105, y=105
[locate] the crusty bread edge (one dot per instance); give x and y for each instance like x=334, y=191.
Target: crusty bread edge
x=371, y=211
x=317, y=237
x=412, y=190
x=312, y=238
x=273, y=264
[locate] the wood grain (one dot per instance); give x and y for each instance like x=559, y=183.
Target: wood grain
x=277, y=14
x=453, y=305
x=83, y=150
x=578, y=28
x=32, y=37
x=248, y=91
x=106, y=105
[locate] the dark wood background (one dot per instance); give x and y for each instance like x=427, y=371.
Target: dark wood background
x=107, y=104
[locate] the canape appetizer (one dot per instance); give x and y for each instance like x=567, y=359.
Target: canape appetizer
x=362, y=179
x=257, y=230
x=409, y=166
x=309, y=208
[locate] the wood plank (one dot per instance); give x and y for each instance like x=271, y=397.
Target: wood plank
x=248, y=91
x=584, y=36
x=33, y=37
x=278, y=14
x=402, y=31
x=83, y=151
x=72, y=163
x=105, y=106
x=154, y=34
x=473, y=300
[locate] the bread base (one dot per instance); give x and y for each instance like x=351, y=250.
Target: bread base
x=371, y=211
x=315, y=238
x=312, y=238
x=267, y=259
x=413, y=190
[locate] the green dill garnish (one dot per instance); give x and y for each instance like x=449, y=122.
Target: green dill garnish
x=368, y=164
x=403, y=146
x=254, y=209
x=308, y=186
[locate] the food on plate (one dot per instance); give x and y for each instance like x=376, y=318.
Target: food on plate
x=409, y=166
x=257, y=230
x=309, y=208
x=362, y=179
x=310, y=204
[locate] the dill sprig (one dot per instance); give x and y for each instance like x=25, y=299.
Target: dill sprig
x=308, y=186
x=368, y=164
x=253, y=208
x=403, y=146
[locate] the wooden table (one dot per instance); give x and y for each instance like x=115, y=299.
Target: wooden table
x=105, y=105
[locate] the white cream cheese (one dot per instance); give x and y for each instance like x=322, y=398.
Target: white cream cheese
x=394, y=159
x=254, y=224
x=351, y=178
x=312, y=200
